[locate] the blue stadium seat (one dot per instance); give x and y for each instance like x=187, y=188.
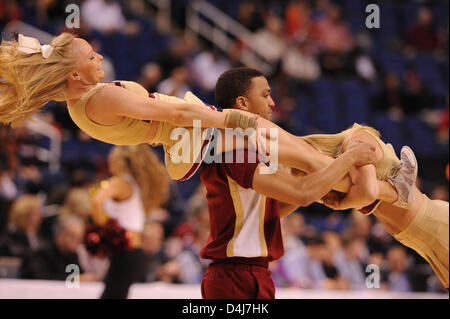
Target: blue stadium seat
x=325, y=115
x=353, y=103
x=390, y=131
x=420, y=137
x=392, y=62
x=430, y=73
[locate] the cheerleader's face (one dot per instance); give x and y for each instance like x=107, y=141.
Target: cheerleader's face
x=89, y=69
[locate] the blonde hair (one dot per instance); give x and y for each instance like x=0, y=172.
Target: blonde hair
x=30, y=81
x=77, y=202
x=333, y=144
x=21, y=209
x=150, y=174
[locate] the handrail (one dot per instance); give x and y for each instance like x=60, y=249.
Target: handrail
x=202, y=18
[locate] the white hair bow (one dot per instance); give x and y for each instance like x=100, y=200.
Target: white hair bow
x=31, y=45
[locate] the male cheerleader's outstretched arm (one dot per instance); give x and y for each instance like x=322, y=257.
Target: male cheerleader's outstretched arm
x=123, y=103
x=304, y=191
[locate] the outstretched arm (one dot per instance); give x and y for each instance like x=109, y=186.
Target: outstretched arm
x=306, y=190
x=121, y=102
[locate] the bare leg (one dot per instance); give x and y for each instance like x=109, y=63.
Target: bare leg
x=395, y=218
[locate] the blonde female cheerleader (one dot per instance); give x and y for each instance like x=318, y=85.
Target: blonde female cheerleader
x=122, y=113
x=119, y=113
x=423, y=227
x=139, y=184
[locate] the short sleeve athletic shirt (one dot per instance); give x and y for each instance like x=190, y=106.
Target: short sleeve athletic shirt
x=243, y=222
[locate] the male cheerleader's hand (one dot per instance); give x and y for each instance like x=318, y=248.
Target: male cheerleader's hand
x=360, y=153
x=236, y=119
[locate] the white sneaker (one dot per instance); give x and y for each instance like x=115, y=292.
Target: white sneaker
x=404, y=178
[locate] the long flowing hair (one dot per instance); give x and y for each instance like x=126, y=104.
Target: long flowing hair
x=144, y=166
x=333, y=144
x=28, y=81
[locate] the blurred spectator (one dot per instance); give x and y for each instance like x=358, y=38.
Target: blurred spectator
x=417, y=97
x=303, y=265
x=22, y=237
x=442, y=125
x=50, y=262
x=176, y=54
x=8, y=190
x=333, y=244
x=76, y=203
x=106, y=16
x=298, y=19
x=150, y=77
x=440, y=192
x=299, y=63
x=152, y=244
x=293, y=228
x=176, y=84
x=193, y=266
x=423, y=36
x=9, y=11
x=48, y=12
x=349, y=262
x=397, y=278
x=249, y=15
x=170, y=270
x=269, y=41
x=391, y=98
x=331, y=33
x=206, y=68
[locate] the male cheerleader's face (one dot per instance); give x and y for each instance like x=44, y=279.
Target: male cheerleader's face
x=258, y=99
x=89, y=63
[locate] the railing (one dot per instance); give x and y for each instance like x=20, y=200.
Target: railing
x=204, y=19
x=52, y=155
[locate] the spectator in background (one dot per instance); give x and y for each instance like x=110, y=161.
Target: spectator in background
x=176, y=84
x=50, y=262
x=293, y=231
x=152, y=245
x=76, y=203
x=22, y=237
x=333, y=244
x=349, y=264
x=397, y=276
x=150, y=77
x=334, y=40
x=206, y=68
x=269, y=41
x=391, y=98
x=298, y=19
x=9, y=11
x=106, y=16
x=250, y=15
x=299, y=63
x=331, y=33
x=417, y=98
x=303, y=266
x=8, y=190
x=423, y=36
x=442, y=126
x=176, y=54
x=440, y=192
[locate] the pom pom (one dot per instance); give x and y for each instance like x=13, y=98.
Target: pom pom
x=107, y=240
